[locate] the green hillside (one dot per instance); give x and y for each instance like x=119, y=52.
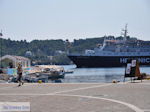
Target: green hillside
x=49, y=51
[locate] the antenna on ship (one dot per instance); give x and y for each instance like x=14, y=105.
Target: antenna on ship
x=124, y=32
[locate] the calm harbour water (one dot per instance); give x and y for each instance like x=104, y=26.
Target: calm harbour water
x=93, y=75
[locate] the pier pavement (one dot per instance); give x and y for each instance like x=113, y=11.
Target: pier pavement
x=80, y=97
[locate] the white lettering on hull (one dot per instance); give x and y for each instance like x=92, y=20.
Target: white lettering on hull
x=140, y=60
x=123, y=60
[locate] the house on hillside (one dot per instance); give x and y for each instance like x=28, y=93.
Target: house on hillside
x=13, y=61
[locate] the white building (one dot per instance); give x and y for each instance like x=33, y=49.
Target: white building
x=28, y=53
x=14, y=60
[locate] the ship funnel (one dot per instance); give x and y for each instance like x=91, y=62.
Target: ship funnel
x=1, y=34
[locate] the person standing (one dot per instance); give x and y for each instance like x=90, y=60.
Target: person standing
x=19, y=72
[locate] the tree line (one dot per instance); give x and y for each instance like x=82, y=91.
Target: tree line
x=49, y=51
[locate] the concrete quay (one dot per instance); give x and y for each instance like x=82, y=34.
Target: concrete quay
x=80, y=97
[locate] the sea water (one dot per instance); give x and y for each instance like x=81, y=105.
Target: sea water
x=94, y=75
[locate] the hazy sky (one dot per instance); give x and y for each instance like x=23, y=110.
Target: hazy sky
x=73, y=19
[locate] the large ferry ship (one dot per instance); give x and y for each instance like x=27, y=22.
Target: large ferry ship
x=114, y=53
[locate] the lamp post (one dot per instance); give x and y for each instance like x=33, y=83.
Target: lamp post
x=67, y=46
x=1, y=47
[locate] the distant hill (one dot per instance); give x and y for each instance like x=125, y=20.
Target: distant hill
x=49, y=51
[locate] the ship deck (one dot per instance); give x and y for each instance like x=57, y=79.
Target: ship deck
x=80, y=97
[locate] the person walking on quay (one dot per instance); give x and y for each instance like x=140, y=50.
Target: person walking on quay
x=19, y=72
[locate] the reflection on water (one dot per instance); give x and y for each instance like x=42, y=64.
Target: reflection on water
x=92, y=75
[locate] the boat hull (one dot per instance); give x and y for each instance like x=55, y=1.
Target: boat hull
x=107, y=61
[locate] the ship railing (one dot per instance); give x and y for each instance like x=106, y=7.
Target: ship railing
x=112, y=54
x=123, y=54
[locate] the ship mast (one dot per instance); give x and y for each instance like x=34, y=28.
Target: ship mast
x=124, y=32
